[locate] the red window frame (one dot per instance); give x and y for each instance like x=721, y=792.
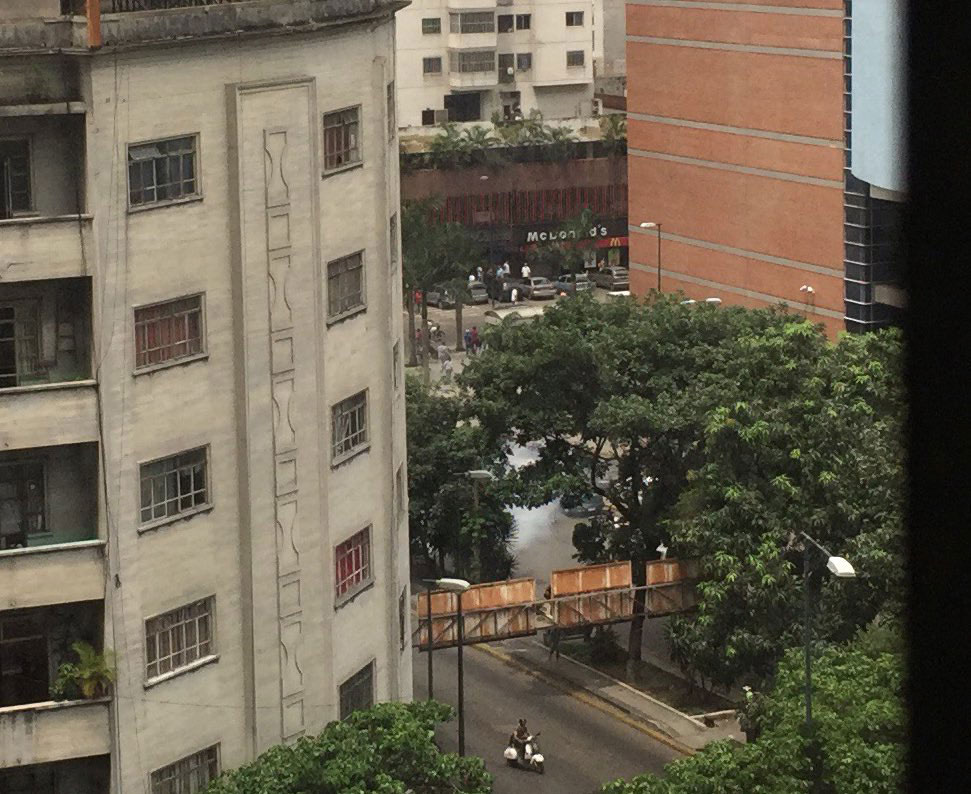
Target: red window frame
x=352, y=563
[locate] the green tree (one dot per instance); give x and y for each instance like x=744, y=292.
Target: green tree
x=443, y=517
x=813, y=443
x=387, y=749
x=858, y=742
x=433, y=253
x=618, y=394
x=613, y=133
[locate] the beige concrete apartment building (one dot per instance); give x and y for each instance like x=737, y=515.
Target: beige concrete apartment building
x=463, y=60
x=202, y=441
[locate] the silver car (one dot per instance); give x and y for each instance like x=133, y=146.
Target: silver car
x=612, y=278
x=478, y=292
x=571, y=283
x=537, y=287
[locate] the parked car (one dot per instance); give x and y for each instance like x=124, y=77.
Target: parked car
x=582, y=507
x=440, y=296
x=538, y=287
x=572, y=283
x=612, y=278
x=478, y=291
x=501, y=289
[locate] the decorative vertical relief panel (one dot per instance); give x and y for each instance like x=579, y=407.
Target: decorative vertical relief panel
x=285, y=454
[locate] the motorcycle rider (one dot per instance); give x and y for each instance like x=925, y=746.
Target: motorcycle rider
x=518, y=739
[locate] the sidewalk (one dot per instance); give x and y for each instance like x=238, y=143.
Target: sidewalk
x=683, y=732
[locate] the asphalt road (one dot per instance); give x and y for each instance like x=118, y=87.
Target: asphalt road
x=584, y=746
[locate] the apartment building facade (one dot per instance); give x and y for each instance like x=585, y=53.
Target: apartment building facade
x=464, y=60
x=202, y=449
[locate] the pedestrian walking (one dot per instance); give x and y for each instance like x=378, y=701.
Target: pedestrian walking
x=515, y=295
x=526, y=271
x=444, y=361
x=467, y=338
x=476, y=344
x=478, y=272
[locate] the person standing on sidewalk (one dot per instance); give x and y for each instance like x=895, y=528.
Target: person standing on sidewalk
x=476, y=344
x=467, y=338
x=444, y=362
x=526, y=272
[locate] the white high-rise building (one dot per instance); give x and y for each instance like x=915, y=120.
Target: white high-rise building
x=202, y=448
x=464, y=60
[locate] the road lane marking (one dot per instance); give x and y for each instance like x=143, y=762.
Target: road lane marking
x=586, y=697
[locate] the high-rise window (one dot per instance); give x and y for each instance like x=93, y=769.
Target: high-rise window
x=431, y=25
x=352, y=559
x=168, y=332
x=174, y=485
x=473, y=61
x=22, y=503
x=402, y=618
x=474, y=22
x=574, y=58
x=345, y=285
x=349, y=420
x=162, y=171
x=20, y=344
x=523, y=21
x=524, y=61
x=395, y=358
x=176, y=639
x=342, y=138
x=14, y=177
x=357, y=692
x=393, y=239
x=574, y=19
x=392, y=115
x=431, y=65
x=505, y=23
x=188, y=775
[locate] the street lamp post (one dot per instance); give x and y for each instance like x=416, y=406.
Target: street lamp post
x=431, y=640
x=652, y=225
x=458, y=586
x=840, y=568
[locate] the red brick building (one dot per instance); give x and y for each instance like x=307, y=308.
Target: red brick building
x=736, y=147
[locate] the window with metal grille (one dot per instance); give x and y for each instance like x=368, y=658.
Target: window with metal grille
x=574, y=58
x=174, y=485
x=349, y=424
x=168, y=332
x=22, y=499
x=345, y=285
x=20, y=343
x=188, y=775
x=352, y=558
x=431, y=65
x=392, y=116
x=505, y=23
x=523, y=21
x=342, y=138
x=475, y=22
x=176, y=639
x=162, y=171
x=357, y=692
x=574, y=19
x=431, y=25
x=524, y=61
x=473, y=61
x=15, y=195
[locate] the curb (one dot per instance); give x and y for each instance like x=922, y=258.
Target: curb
x=630, y=718
x=654, y=701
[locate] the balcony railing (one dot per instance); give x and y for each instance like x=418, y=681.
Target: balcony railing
x=42, y=733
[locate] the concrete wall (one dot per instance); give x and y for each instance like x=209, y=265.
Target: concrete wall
x=30, y=9
x=746, y=183
x=879, y=147
x=614, y=30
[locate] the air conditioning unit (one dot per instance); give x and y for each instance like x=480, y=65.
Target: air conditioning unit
x=441, y=116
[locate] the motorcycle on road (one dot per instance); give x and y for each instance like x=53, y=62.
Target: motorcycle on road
x=528, y=757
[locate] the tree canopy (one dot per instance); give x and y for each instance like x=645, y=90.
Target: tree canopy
x=387, y=749
x=442, y=445
x=859, y=739
x=722, y=431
